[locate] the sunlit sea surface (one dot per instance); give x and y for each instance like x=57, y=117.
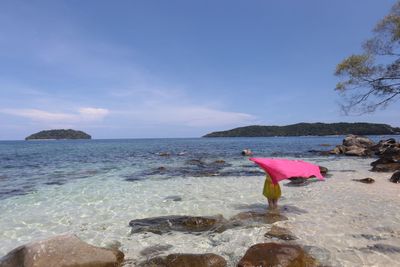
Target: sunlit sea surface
x=93, y=188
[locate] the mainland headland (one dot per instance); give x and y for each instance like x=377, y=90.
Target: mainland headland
x=58, y=134
x=309, y=129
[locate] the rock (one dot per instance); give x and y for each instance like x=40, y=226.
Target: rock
x=165, y=224
x=173, y=198
x=280, y=233
x=384, y=248
x=354, y=145
x=196, y=162
x=195, y=260
x=247, y=217
x=385, y=167
x=395, y=177
x=365, y=180
x=273, y=254
x=247, y=152
x=220, y=161
x=298, y=181
x=164, y=154
x=155, y=250
x=389, y=156
x=357, y=151
x=339, y=149
x=62, y=251
x=186, y=260
x=323, y=170
x=358, y=141
x=384, y=145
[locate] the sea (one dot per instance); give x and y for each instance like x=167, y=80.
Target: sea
x=94, y=188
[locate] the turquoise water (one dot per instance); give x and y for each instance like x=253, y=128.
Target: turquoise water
x=26, y=166
x=93, y=188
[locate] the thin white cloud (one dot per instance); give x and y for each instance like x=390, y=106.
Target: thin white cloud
x=186, y=115
x=37, y=115
x=93, y=114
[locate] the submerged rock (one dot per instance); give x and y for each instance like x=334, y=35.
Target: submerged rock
x=365, y=180
x=395, y=177
x=61, y=251
x=155, y=250
x=165, y=224
x=369, y=237
x=173, y=198
x=273, y=254
x=248, y=217
x=384, y=248
x=280, y=233
x=186, y=260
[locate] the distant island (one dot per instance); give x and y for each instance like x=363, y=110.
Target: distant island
x=304, y=129
x=58, y=134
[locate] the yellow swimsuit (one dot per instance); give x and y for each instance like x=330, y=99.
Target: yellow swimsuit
x=271, y=190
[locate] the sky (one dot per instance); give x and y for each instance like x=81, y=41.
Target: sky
x=150, y=69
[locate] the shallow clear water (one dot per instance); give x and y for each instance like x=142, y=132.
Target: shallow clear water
x=94, y=188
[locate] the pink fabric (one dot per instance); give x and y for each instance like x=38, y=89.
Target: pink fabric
x=280, y=169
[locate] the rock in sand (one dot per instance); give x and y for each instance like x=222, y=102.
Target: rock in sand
x=62, y=251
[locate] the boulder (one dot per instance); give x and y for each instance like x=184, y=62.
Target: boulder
x=339, y=149
x=165, y=224
x=273, y=254
x=62, y=251
x=385, y=165
x=358, y=141
x=384, y=145
x=395, y=177
x=354, y=145
x=186, y=260
x=357, y=151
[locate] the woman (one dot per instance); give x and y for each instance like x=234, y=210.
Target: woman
x=272, y=192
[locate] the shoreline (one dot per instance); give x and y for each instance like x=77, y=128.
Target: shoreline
x=312, y=199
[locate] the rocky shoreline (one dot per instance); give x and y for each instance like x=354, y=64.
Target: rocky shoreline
x=387, y=153
x=281, y=247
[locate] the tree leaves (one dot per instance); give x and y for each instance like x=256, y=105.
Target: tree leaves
x=372, y=79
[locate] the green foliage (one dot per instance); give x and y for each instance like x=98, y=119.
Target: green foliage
x=372, y=79
x=306, y=129
x=59, y=134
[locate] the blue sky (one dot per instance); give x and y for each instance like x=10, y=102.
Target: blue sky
x=134, y=69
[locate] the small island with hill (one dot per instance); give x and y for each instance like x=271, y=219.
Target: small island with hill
x=58, y=134
x=309, y=129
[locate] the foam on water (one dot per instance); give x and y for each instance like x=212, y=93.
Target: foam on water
x=340, y=221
